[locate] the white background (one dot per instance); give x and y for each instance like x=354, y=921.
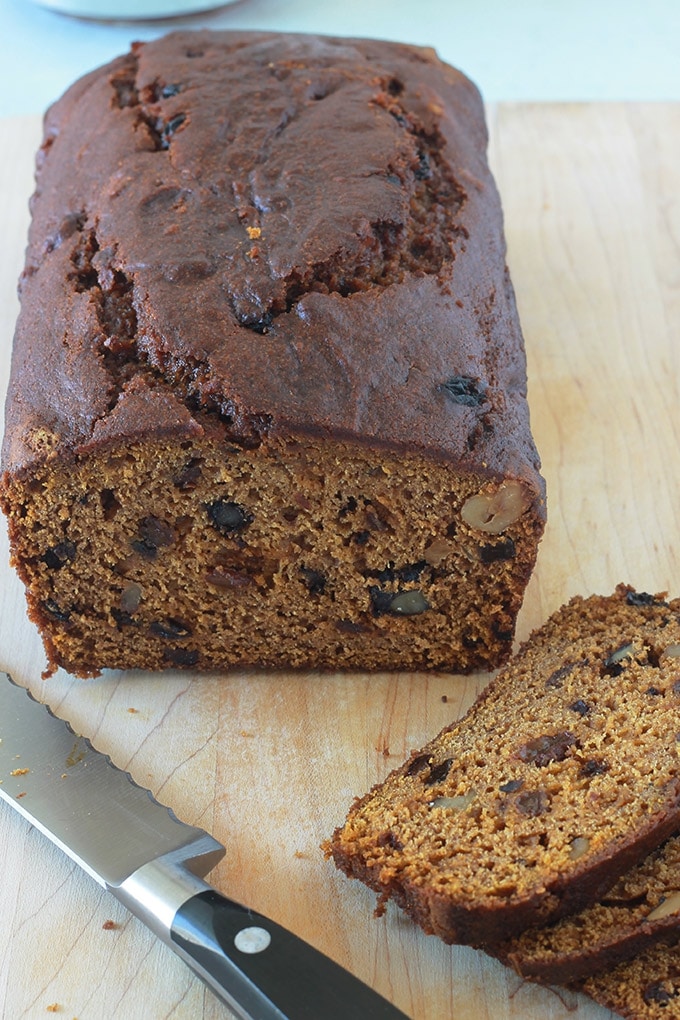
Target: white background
x=565, y=50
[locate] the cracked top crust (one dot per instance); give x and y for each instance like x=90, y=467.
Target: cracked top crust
x=299, y=234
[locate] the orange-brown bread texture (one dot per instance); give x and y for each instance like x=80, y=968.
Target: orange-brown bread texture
x=563, y=775
x=646, y=988
x=641, y=909
x=268, y=393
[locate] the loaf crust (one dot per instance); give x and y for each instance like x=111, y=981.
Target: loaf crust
x=563, y=775
x=268, y=392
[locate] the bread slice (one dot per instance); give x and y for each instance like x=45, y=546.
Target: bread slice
x=563, y=775
x=642, y=908
x=645, y=988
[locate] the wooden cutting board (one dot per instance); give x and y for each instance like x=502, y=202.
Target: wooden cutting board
x=270, y=764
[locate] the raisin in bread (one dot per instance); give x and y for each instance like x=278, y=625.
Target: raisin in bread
x=563, y=775
x=642, y=908
x=268, y=395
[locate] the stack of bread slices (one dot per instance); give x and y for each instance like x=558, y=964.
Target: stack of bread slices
x=543, y=826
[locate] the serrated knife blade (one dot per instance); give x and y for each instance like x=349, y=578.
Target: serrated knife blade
x=154, y=863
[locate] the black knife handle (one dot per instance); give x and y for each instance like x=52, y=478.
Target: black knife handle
x=264, y=972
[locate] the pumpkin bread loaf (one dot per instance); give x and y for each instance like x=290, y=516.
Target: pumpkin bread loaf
x=563, y=775
x=268, y=393
x=642, y=908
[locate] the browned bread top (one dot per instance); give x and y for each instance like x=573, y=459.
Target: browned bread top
x=300, y=233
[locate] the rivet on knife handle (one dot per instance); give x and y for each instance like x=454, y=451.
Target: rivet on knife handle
x=257, y=961
x=153, y=863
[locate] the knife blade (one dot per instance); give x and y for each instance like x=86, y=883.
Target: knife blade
x=155, y=864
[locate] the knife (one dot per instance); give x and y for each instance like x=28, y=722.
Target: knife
x=154, y=863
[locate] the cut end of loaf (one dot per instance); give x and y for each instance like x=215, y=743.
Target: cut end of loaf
x=288, y=554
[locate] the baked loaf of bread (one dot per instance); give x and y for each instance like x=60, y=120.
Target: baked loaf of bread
x=268, y=394
x=641, y=909
x=563, y=775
